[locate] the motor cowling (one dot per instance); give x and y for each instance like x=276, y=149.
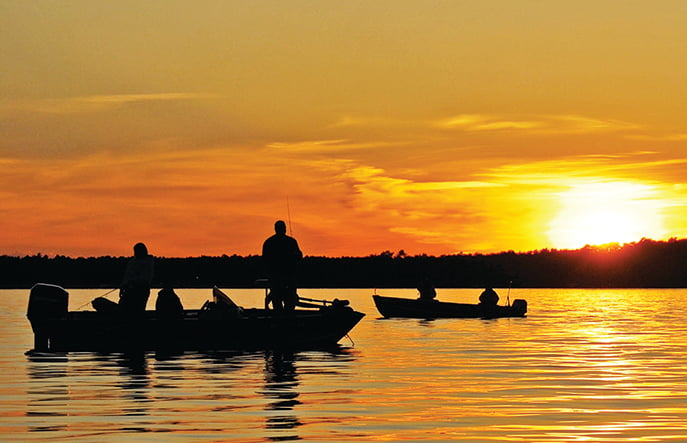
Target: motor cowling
x=47, y=301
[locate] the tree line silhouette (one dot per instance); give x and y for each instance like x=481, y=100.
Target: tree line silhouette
x=643, y=264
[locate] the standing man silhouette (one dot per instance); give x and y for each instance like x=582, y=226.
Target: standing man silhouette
x=281, y=255
x=138, y=275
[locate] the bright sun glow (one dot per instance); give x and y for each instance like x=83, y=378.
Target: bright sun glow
x=606, y=212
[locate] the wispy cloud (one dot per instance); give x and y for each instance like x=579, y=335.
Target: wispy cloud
x=422, y=212
x=576, y=167
x=580, y=123
x=537, y=124
x=349, y=121
x=480, y=122
x=131, y=98
x=671, y=137
x=324, y=146
x=94, y=103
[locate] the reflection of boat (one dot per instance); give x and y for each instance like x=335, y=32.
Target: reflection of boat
x=417, y=308
x=218, y=325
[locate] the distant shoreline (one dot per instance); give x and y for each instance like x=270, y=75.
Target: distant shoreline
x=644, y=264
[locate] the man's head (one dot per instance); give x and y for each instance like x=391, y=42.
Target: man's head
x=280, y=227
x=140, y=250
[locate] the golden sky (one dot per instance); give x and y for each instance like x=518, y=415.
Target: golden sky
x=430, y=126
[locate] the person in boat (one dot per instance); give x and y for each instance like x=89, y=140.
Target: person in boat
x=281, y=255
x=138, y=276
x=489, y=297
x=426, y=290
x=168, y=304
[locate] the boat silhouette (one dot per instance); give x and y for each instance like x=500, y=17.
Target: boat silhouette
x=218, y=325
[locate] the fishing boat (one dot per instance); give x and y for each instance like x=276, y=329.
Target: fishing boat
x=430, y=309
x=219, y=324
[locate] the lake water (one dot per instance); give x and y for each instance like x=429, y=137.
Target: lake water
x=585, y=365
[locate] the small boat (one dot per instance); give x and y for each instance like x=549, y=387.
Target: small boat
x=217, y=325
x=429, y=309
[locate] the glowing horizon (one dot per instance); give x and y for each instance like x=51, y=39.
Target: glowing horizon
x=439, y=130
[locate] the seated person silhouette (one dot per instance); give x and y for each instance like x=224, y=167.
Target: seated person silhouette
x=488, y=297
x=427, y=291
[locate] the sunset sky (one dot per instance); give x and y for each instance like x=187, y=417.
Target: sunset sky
x=435, y=127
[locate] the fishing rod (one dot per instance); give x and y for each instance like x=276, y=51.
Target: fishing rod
x=105, y=294
x=288, y=214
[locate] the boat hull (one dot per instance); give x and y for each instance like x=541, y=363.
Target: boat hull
x=427, y=309
x=219, y=325
x=197, y=330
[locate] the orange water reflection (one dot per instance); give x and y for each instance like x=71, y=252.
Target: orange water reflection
x=585, y=365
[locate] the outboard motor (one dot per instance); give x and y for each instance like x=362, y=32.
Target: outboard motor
x=46, y=302
x=519, y=306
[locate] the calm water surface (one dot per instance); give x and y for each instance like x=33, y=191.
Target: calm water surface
x=585, y=365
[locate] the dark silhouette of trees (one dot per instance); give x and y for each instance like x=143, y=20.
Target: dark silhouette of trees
x=646, y=263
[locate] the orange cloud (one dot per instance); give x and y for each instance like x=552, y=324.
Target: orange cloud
x=225, y=200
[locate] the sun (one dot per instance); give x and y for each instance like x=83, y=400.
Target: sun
x=606, y=212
